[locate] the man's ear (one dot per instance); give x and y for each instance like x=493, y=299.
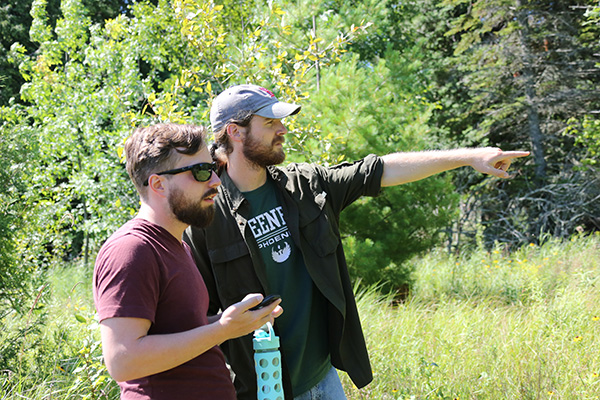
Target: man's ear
x=234, y=132
x=155, y=184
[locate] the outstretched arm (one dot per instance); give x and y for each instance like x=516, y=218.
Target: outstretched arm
x=130, y=353
x=399, y=168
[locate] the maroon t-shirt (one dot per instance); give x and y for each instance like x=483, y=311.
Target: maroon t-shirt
x=142, y=271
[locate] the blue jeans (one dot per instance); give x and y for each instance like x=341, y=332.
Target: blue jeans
x=330, y=388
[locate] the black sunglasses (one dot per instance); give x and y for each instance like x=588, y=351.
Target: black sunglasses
x=201, y=171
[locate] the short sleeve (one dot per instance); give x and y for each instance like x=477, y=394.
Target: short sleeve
x=126, y=279
x=346, y=182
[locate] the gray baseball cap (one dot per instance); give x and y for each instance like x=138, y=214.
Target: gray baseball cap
x=243, y=99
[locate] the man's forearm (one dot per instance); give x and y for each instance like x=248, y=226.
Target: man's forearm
x=151, y=354
x=402, y=168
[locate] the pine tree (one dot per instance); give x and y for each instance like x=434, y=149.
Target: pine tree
x=528, y=71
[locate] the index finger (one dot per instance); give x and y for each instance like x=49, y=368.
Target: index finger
x=251, y=300
x=514, y=154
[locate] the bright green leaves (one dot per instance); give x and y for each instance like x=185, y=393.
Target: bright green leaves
x=72, y=29
x=258, y=49
x=586, y=133
x=40, y=30
x=83, y=95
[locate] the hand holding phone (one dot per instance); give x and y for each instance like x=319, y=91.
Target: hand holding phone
x=266, y=301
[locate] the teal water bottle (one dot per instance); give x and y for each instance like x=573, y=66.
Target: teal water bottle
x=267, y=361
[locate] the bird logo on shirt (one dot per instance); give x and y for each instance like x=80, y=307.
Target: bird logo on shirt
x=281, y=252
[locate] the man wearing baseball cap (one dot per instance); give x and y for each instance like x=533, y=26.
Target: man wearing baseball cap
x=276, y=231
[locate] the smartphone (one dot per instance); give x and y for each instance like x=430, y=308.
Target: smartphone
x=266, y=301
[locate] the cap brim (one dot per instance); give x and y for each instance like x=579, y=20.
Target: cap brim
x=278, y=110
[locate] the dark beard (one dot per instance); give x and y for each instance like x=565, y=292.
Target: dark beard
x=260, y=154
x=191, y=213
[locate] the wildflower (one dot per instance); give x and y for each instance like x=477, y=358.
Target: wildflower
x=577, y=338
x=595, y=375
x=550, y=392
x=394, y=390
x=595, y=318
x=531, y=244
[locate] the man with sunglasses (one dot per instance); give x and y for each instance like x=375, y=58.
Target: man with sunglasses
x=276, y=231
x=157, y=339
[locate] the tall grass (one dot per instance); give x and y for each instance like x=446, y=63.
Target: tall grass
x=57, y=344
x=490, y=325
x=496, y=324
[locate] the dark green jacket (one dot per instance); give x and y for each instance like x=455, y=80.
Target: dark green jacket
x=312, y=198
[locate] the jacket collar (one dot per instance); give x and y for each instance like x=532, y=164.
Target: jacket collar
x=233, y=194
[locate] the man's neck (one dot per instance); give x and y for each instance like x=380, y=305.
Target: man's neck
x=245, y=175
x=162, y=219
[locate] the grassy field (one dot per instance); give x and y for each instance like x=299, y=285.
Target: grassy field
x=485, y=325
x=493, y=325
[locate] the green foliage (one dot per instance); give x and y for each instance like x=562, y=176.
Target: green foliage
x=586, y=130
x=15, y=24
x=85, y=91
x=262, y=51
x=17, y=276
x=14, y=27
x=379, y=110
x=519, y=75
x=587, y=135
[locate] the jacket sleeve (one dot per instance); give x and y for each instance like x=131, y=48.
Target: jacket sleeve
x=196, y=239
x=347, y=182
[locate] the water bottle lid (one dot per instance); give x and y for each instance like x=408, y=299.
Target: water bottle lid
x=265, y=338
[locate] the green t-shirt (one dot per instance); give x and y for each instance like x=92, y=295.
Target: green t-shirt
x=302, y=326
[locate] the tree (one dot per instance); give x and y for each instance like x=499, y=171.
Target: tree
x=15, y=22
x=375, y=110
x=526, y=71
x=14, y=27
x=89, y=84
x=17, y=276
x=586, y=131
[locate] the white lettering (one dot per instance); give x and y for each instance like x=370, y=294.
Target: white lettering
x=272, y=240
x=274, y=222
x=254, y=227
x=267, y=222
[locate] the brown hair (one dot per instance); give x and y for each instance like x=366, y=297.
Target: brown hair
x=222, y=146
x=150, y=149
